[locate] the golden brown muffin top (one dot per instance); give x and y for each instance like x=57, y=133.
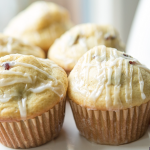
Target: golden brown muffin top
x=39, y=23
x=67, y=50
x=29, y=86
x=37, y=16
x=10, y=45
x=107, y=79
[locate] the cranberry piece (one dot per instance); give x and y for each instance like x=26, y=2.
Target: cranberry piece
x=132, y=62
x=110, y=38
x=6, y=66
x=126, y=55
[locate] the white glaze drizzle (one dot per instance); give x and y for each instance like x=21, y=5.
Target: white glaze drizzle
x=98, y=90
x=102, y=77
x=130, y=83
x=4, y=99
x=88, y=68
x=26, y=78
x=14, y=63
x=11, y=47
x=7, y=95
x=141, y=82
x=117, y=79
x=107, y=98
x=22, y=107
x=53, y=65
x=128, y=87
x=103, y=54
x=9, y=81
x=100, y=63
x=49, y=85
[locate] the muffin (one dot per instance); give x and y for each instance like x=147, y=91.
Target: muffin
x=109, y=95
x=40, y=24
x=32, y=100
x=67, y=50
x=9, y=45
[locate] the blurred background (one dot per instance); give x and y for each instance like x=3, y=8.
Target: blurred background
x=130, y=17
x=119, y=13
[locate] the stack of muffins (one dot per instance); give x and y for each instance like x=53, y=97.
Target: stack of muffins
x=108, y=90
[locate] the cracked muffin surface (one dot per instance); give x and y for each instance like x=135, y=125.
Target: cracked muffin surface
x=10, y=45
x=73, y=44
x=29, y=86
x=40, y=24
x=107, y=79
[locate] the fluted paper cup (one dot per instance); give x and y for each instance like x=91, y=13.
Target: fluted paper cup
x=33, y=132
x=112, y=127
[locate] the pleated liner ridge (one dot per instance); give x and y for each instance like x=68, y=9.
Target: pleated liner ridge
x=112, y=127
x=33, y=132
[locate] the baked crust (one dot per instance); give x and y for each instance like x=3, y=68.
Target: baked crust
x=40, y=81
x=107, y=79
x=10, y=45
x=67, y=50
x=40, y=24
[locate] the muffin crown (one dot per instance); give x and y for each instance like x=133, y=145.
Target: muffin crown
x=106, y=79
x=29, y=86
x=74, y=43
x=37, y=16
x=40, y=24
x=10, y=45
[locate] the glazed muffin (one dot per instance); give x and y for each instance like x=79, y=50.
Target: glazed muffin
x=67, y=50
x=9, y=45
x=40, y=24
x=32, y=100
x=109, y=95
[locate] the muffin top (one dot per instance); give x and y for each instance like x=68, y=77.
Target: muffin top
x=40, y=23
x=9, y=45
x=29, y=86
x=73, y=44
x=107, y=79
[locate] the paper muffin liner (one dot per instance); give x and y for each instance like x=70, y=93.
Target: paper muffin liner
x=33, y=132
x=112, y=127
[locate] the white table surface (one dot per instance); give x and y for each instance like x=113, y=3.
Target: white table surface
x=70, y=139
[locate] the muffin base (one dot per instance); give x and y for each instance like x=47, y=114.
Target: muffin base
x=33, y=132
x=112, y=127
